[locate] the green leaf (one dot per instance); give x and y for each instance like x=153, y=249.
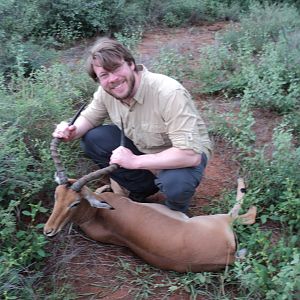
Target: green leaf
x=41, y=253
x=264, y=219
x=26, y=213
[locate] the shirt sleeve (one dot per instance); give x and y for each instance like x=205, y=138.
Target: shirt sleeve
x=186, y=129
x=96, y=111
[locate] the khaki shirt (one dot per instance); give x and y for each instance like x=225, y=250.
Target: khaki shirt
x=162, y=115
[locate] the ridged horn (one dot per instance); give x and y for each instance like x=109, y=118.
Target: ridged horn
x=60, y=170
x=77, y=186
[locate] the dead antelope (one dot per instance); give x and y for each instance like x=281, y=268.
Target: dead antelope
x=162, y=237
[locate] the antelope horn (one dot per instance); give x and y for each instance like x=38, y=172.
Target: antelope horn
x=60, y=170
x=76, y=186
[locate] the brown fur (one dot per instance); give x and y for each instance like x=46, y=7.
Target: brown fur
x=162, y=237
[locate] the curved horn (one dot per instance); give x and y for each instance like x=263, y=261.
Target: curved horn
x=76, y=186
x=60, y=170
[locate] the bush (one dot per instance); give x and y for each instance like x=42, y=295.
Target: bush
x=271, y=267
x=271, y=270
x=262, y=23
x=30, y=56
x=274, y=81
x=21, y=174
x=222, y=69
x=34, y=104
x=169, y=62
x=235, y=127
x=48, y=25
x=269, y=79
x=280, y=172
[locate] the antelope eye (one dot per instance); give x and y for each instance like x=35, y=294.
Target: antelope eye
x=74, y=204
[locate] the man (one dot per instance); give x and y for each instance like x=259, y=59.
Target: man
x=166, y=145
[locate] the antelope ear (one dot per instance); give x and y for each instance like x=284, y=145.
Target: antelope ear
x=97, y=202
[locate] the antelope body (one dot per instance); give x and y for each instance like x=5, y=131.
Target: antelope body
x=162, y=237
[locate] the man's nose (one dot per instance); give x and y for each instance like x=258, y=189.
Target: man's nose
x=112, y=77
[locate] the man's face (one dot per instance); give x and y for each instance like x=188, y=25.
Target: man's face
x=120, y=83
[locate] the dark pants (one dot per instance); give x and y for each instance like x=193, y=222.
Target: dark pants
x=178, y=185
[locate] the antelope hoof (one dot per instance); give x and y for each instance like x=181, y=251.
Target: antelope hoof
x=50, y=233
x=102, y=189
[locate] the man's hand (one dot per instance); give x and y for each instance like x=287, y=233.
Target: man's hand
x=124, y=158
x=64, y=131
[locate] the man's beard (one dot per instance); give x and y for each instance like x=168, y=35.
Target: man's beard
x=131, y=84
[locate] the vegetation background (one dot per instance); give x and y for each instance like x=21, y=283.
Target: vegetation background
x=255, y=62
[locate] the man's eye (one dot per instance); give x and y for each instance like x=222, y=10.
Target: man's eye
x=102, y=76
x=118, y=69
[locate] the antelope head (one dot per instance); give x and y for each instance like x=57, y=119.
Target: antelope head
x=69, y=204
x=70, y=194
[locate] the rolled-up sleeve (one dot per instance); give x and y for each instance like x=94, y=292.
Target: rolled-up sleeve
x=186, y=129
x=96, y=112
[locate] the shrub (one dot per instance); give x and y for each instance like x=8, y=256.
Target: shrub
x=169, y=62
x=222, y=69
x=47, y=25
x=47, y=96
x=269, y=79
x=28, y=55
x=271, y=270
x=21, y=247
x=279, y=171
x=234, y=127
x=130, y=38
x=176, y=13
x=34, y=104
x=271, y=267
x=262, y=23
x=274, y=81
x=21, y=174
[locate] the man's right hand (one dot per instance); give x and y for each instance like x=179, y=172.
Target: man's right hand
x=64, y=131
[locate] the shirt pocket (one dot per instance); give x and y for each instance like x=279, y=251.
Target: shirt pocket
x=153, y=135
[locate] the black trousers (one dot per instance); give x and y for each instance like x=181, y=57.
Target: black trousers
x=178, y=185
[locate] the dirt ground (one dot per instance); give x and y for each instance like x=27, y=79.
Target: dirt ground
x=97, y=271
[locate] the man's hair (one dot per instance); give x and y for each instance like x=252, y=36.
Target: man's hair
x=108, y=54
